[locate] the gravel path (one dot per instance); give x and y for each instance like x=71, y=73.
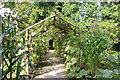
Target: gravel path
x=55, y=67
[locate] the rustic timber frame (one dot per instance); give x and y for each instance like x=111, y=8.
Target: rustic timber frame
x=29, y=37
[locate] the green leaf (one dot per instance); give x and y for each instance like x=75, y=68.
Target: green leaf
x=0, y=73
x=78, y=75
x=18, y=68
x=18, y=48
x=1, y=52
x=84, y=72
x=76, y=69
x=67, y=48
x=68, y=66
x=5, y=33
x=74, y=60
x=71, y=75
x=13, y=63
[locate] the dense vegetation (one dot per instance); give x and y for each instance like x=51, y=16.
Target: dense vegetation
x=90, y=51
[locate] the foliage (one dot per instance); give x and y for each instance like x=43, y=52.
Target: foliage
x=39, y=51
x=12, y=59
x=105, y=18
x=30, y=13
x=11, y=55
x=88, y=51
x=84, y=50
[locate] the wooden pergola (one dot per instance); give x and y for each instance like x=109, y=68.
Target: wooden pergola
x=30, y=27
x=54, y=15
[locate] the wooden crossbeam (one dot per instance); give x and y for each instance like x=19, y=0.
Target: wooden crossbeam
x=68, y=22
x=37, y=23
x=54, y=14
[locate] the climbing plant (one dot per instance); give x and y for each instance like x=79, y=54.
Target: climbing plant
x=105, y=18
x=82, y=37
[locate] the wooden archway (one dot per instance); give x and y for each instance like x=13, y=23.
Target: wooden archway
x=29, y=37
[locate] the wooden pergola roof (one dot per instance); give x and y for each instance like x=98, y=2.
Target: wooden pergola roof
x=54, y=15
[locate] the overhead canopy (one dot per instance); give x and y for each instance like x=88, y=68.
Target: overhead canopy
x=53, y=16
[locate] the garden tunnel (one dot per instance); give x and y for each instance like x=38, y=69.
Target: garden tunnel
x=73, y=42
x=60, y=28
x=89, y=50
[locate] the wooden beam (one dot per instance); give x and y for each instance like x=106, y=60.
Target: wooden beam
x=37, y=24
x=68, y=22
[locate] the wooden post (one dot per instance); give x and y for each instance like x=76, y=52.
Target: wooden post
x=31, y=69
x=32, y=46
x=27, y=49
